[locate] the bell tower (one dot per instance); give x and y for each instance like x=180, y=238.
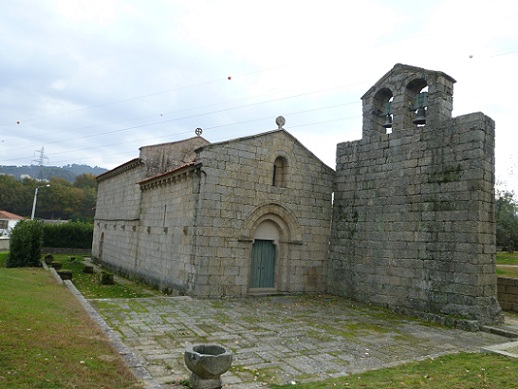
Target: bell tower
x=413, y=213
x=407, y=97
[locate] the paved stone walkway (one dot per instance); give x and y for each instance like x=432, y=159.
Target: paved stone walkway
x=277, y=339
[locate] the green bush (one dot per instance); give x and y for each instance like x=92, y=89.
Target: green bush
x=26, y=243
x=506, y=212
x=68, y=235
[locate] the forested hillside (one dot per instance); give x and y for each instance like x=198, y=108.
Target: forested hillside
x=62, y=199
x=68, y=172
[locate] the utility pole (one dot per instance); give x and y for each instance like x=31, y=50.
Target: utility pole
x=36, y=199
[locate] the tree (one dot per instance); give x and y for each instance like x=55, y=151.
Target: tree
x=15, y=196
x=85, y=180
x=61, y=200
x=506, y=212
x=87, y=186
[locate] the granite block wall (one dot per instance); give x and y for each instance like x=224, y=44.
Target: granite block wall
x=508, y=293
x=117, y=215
x=237, y=194
x=165, y=234
x=413, y=221
x=190, y=230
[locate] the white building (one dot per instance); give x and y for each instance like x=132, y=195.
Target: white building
x=7, y=222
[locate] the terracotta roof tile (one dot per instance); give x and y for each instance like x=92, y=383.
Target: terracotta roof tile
x=10, y=216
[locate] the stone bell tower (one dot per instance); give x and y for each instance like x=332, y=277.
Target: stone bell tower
x=404, y=93
x=413, y=220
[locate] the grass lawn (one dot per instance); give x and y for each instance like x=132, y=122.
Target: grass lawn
x=48, y=341
x=507, y=271
x=90, y=287
x=505, y=258
x=505, y=263
x=456, y=371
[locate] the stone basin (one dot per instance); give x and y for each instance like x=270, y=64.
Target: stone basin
x=207, y=362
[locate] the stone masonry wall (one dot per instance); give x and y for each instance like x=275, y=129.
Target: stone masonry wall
x=164, y=157
x=237, y=195
x=117, y=217
x=131, y=228
x=191, y=229
x=164, y=238
x=508, y=293
x=413, y=223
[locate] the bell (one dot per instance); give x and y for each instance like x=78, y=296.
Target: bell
x=420, y=117
x=388, y=121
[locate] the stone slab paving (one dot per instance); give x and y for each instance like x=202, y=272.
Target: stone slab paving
x=277, y=339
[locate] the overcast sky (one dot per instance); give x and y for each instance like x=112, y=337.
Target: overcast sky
x=91, y=81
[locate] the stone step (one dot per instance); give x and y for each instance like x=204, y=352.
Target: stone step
x=502, y=330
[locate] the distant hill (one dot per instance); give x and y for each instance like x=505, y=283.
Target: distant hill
x=68, y=172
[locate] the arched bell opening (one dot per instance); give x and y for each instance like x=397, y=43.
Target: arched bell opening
x=416, y=99
x=383, y=115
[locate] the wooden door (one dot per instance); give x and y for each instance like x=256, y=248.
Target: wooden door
x=263, y=264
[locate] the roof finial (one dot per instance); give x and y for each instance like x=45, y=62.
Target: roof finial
x=280, y=121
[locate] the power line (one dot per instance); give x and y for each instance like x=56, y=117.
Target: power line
x=213, y=112
x=195, y=116
x=186, y=117
x=193, y=108
x=142, y=96
x=172, y=136
x=188, y=132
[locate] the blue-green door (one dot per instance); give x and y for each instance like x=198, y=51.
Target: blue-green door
x=263, y=264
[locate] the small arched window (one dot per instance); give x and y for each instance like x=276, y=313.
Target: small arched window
x=279, y=172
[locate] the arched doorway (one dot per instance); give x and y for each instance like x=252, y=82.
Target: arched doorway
x=263, y=263
x=274, y=232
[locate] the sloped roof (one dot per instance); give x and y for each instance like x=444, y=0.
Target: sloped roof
x=119, y=169
x=10, y=216
x=161, y=175
x=280, y=130
x=400, y=68
x=178, y=143
x=139, y=161
x=177, y=151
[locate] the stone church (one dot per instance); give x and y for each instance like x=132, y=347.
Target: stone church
x=249, y=215
x=405, y=222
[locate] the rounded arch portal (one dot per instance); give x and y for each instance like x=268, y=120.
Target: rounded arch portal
x=270, y=228
x=286, y=222
x=267, y=230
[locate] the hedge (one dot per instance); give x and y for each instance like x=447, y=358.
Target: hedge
x=26, y=243
x=68, y=235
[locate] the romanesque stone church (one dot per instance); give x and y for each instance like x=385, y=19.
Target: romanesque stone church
x=243, y=216
x=405, y=222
